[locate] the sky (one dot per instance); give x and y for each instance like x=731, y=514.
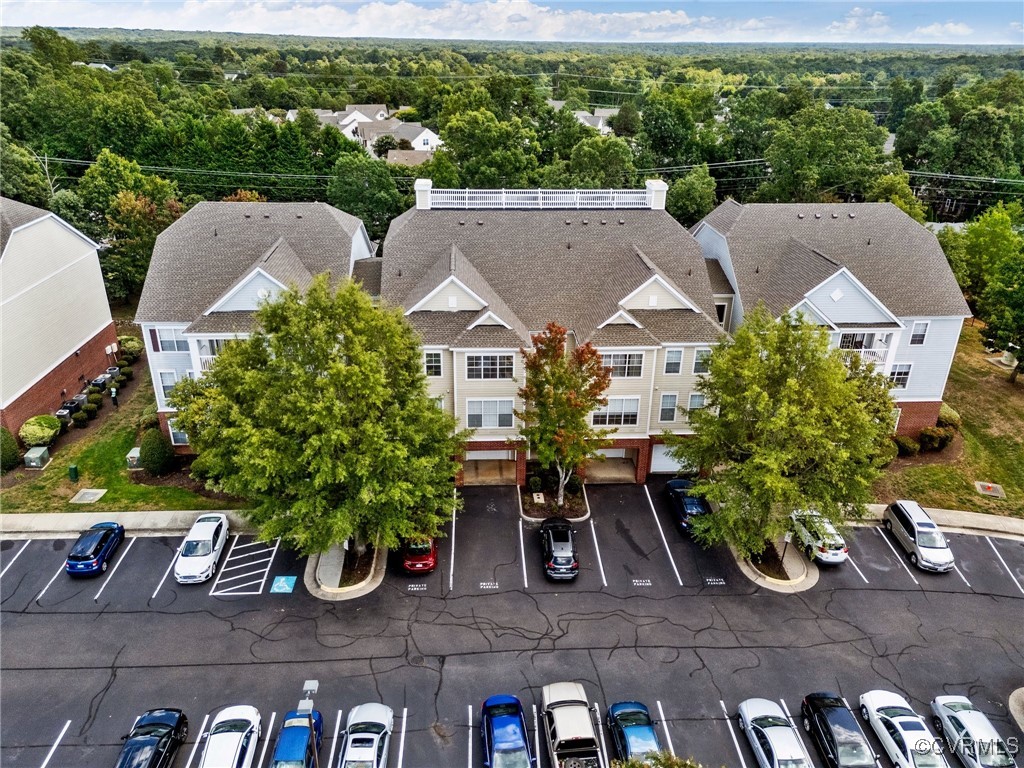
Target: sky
x=637, y=21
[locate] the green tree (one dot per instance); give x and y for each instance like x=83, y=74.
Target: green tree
x=1002, y=307
x=441, y=170
x=669, y=130
x=984, y=144
x=627, y=122
x=134, y=221
x=21, y=175
x=920, y=122
x=558, y=132
x=490, y=153
x=322, y=421
x=903, y=94
x=110, y=175
x=156, y=453
x=657, y=760
x=120, y=121
x=895, y=188
x=558, y=396
x=363, y=187
x=602, y=162
x=384, y=144
x=788, y=424
x=50, y=47
x=691, y=197
x=954, y=246
x=988, y=239
x=10, y=453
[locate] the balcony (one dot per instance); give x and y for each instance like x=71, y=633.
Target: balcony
x=875, y=355
x=206, y=361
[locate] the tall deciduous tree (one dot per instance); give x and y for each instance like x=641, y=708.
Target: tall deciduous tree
x=988, y=239
x=895, y=188
x=560, y=392
x=789, y=424
x=134, y=222
x=1002, y=307
x=322, y=421
x=692, y=197
x=365, y=188
x=21, y=175
x=490, y=153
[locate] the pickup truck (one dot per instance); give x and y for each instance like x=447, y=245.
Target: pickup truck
x=570, y=727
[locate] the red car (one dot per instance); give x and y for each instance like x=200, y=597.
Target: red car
x=419, y=556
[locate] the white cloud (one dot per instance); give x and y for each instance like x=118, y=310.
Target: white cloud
x=860, y=23
x=945, y=31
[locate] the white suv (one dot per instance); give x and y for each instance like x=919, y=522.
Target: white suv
x=919, y=536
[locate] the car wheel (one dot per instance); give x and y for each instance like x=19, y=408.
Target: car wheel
x=809, y=551
x=913, y=558
x=864, y=713
x=938, y=725
x=888, y=525
x=104, y=566
x=807, y=724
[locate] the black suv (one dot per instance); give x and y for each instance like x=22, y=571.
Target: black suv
x=837, y=735
x=560, y=557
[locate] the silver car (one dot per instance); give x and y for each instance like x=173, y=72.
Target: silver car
x=367, y=737
x=969, y=733
x=919, y=536
x=773, y=738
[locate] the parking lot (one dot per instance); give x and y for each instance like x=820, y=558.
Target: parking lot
x=652, y=616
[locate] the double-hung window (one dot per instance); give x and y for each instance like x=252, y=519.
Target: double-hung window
x=488, y=414
x=177, y=436
x=918, y=333
x=697, y=401
x=167, y=381
x=619, y=411
x=673, y=361
x=168, y=340
x=625, y=364
x=432, y=363
x=489, y=366
x=668, y=407
x=900, y=375
x=700, y=361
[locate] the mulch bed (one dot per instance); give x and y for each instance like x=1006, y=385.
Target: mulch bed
x=179, y=478
x=574, y=505
x=357, y=567
x=948, y=455
x=769, y=563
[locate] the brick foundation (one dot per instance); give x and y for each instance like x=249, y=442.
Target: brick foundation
x=180, y=450
x=916, y=416
x=63, y=382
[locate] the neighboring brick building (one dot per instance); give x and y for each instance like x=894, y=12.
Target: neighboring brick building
x=56, y=323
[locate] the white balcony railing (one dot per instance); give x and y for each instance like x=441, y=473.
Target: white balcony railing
x=875, y=355
x=539, y=198
x=205, y=361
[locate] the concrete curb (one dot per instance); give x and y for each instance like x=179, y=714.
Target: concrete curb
x=147, y=523
x=526, y=518
x=794, y=561
x=339, y=594
x=1016, y=707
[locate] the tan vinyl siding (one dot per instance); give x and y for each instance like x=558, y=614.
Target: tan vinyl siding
x=682, y=383
x=629, y=386
x=488, y=389
x=664, y=299
x=463, y=301
x=53, y=302
x=441, y=386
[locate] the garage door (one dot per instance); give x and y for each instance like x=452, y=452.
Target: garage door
x=662, y=462
x=613, y=453
x=490, y=455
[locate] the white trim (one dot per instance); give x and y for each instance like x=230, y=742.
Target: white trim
x=892, y=382
x=440, y=354
x=927, y=327
x=696, y=359
x=861, y=287
x=664, y=284
x=623, y=314
x=244, y=282
x=491, y=399
x=643, y=360
x=604, y=409
x=480, y=320
x=815, y=310
x=895, y=395
x=899, y=415
x=483, y=350
x=490, y=354
x=675, y=409
x=602, y=350
x=444, y=284
x=650, y=393
x=75, y=348
x=50, y=275
x=682, y=358
x=171, y=430
x=689, y=400
x=47, y=215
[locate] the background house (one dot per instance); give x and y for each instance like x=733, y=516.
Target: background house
x=874, y=277
x=213, y=267
x=57, y=329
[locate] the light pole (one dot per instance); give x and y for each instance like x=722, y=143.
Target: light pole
x=309, y=689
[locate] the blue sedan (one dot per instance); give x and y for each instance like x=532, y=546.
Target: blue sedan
x=503, y=730
x=632, y=730
x=298, y=744
x=685, y=505
x=94, y=549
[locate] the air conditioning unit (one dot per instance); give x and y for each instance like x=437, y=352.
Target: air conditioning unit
x=81, y=399
x=37, y=458
x=64, y=414
x=101, y=381
x=133, y=458
x=72, y=406
x=113, y=371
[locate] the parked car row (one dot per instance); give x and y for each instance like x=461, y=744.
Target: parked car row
x=903, y=734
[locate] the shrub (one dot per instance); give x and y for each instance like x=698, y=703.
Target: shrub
x=127, y=372
x=96, y=399
x=90, y=410
x=95, y=391
x=121, y=363
x=39, y=430
x=886, y=454
x=10, y=453
x=81, y=419
x=148, y=419
x=534, y=484
x=131, y=346
x=949, y=418
x=573, y=485
x=907, y=446
x=120, y=381
x=156, y=454
x=936, y=438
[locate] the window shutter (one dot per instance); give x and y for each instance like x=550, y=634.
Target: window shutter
x=154, y=339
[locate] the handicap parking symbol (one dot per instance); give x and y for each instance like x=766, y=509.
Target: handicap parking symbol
x=282, y=585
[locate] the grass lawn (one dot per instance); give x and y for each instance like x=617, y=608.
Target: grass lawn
x=993, y=435
x=100, y=456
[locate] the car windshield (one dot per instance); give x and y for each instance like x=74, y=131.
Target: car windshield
x=931, y=540
x=511, y=758
x=150, y=729
x=197, y=548
x=230, y=726
x=896, y=712
x=418, y=547
x=995, y=754
x=367, y=728
x=137, y=755
x=633, y=718
x=854, y=754
x=926, y=759
x=358, y=764
x=961, y=706
x=503, y=710
x=770, y=721
x=287, y=764
x=563, y=561
x=794, y=763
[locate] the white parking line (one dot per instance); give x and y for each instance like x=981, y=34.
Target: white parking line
x=199, y=738
x=117, y=565
x=522, y=552
x=859, y=571
x=735, y=743
x=334, y=741
x=451, y=567
x=662, y=532
x=56, y=744
x=600, y=564
x=254, y=566
x=1004, y=564
x=664, y=727
x=898, y=558
x=799, y=736
x=15, y=558
x=250, y=544
x=469, y=736
x=169, y=566
x=600, y=732
x=40, y=595
x=536, y=734
x=226, y=561
x=955, y=568
x=266, y=740
x=401, y=740
x=245, y=565
x=266, y=573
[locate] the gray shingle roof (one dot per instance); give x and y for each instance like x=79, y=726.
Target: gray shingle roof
x=223, y=322
x=440, y=327
x=719, y=282
x=898, y=260
x=544, y=269
x=207, y=250
x=367, y=272
x=14, y=214
x=678, y=326
x=409, y=157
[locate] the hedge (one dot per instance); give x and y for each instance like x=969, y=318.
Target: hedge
x=949, y=418
x=131, y=347
x=96, y=399
x=886, y=454
x=40, y=430
x=156, y=454
x=907, y=446
x=10, y=453
x=81, y=419
x=148, y=419
x=90, y=410
x=936, y=438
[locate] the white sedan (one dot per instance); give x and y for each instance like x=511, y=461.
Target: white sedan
x=772, y=737
x=201, y=549
x=970, y=733
x=904, y=736
x=231, y=740
x=367, y=737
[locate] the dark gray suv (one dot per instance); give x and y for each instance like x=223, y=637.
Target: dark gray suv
x=561, y=562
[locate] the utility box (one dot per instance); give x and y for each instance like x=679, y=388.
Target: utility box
x=133, y=458
x=37, y=458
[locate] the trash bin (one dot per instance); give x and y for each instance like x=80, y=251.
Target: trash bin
x=73, y=473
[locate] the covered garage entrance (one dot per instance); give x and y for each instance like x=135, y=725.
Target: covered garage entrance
x=619, y=466
x=489, y=468
x=662, y=462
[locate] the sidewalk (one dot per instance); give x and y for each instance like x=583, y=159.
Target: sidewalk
x=59, y=525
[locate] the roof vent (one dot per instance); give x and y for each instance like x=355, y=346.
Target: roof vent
x=298, y=215
x=479, y=222
x=214, y=231
x=586, y=221
x=567, y=222
x=568, y=245
x=604, y=221
x=835, y=215
x=817, y=215
x=248, y=216
x=462, y=222
x=757, y=270
x=869, y=241
x=853, y=215
x=622, y=221
x=799, y=215
x=689, y=272
x=266, y=215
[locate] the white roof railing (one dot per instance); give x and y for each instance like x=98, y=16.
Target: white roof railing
x=651, y=198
